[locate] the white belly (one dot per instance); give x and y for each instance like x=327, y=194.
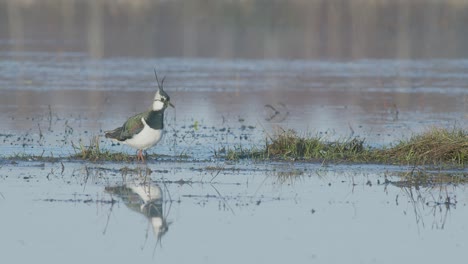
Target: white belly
x=147, y=138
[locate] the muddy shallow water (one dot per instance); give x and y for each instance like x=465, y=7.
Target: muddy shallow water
x=71, y=70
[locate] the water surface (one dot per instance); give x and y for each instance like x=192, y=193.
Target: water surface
x=234, y=213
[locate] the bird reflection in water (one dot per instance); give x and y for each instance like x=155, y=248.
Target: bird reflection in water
x=147, y=199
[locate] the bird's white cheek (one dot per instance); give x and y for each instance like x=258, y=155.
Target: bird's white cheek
x=158, y=105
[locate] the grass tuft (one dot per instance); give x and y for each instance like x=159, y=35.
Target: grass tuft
x=433, y=147
x=93, y=152
x=436, y=146
x=288, y=145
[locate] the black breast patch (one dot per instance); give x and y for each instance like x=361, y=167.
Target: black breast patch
x=155, y=119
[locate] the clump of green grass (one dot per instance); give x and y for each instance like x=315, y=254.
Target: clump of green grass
x=289, y=145
x=435, y=146
x=94, y=153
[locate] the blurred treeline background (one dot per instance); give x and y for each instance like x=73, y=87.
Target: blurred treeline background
x=290, y=29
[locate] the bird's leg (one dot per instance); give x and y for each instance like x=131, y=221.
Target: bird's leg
x=138, y=155
x=141, y=156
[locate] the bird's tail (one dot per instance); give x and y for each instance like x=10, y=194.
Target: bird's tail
x=113, y=134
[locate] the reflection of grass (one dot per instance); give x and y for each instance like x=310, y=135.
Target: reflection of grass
x=424, y=179
x=289, y=176
x=436, y=146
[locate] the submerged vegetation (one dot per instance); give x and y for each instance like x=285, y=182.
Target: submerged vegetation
x=436, y=147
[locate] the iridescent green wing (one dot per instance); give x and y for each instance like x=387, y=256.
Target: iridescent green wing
x=133, y=125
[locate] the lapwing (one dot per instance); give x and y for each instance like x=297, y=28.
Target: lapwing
x=144, y=130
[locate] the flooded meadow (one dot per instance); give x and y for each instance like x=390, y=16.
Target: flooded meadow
x=238, y=73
